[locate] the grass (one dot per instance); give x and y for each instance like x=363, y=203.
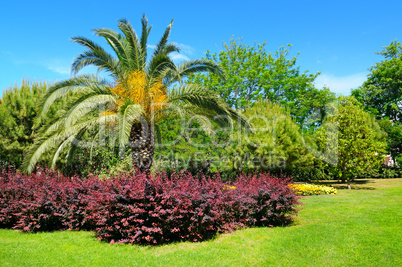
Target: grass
x=353, y=228
x=369, y=184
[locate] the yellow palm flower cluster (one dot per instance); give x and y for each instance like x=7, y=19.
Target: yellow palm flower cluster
x=311, y=189
x=228, y=187
x=136, y=87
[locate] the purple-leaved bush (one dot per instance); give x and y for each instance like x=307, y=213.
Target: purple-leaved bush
x=143, y=210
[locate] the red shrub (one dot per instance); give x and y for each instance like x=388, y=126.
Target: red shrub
x=45, y=201
x=158, y=210
x=142, y=210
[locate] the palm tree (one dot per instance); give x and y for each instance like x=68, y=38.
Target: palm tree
x=138, y=94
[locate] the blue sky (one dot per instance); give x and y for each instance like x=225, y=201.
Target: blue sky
x=336, y=38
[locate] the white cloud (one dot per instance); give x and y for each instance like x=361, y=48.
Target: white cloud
x=186, y=49
x=58, y=66
x=59, y=69
x=178, y=57
x=341, y=84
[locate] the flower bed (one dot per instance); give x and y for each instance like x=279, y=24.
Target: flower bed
x=311, y=189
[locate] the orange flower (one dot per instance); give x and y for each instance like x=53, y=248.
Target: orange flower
x=136, y=88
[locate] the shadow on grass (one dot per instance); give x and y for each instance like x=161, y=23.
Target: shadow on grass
x=353, y=187
x=358, y=184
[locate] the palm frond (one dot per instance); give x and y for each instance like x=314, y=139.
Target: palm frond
x=56, y=155
x=204, y=99
x=128, y=115
x=103, y=61
x=159, y=65
x=204, y=122
x=85, y=105
x=36, y=151
x=86, y=42
x=195, y=66
x=170, y=48
x=83, y=83
x=144, y=38
x=46, y=143
x=118, y=44
x=136, y=55
x=74, y=145
x=52, y=127
x=163, y=41
x=93, y=145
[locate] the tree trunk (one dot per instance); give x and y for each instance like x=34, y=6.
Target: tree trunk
x=142, y=143
x=349, y=184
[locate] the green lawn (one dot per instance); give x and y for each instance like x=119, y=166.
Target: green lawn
x=354, y=228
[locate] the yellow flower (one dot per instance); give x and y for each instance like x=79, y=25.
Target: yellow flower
x=311, y=189
x=152, y=97
x=228, y=187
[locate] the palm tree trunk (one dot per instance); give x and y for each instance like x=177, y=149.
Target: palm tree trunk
x=142, y=142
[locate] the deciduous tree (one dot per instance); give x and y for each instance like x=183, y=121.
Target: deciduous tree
x=254, y=74
x=352, y=139
x=381, y=94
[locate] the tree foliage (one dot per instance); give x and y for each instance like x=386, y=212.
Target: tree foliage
x=351, y=140
x=140, y=91
x=254, y=74
x=394, y=138
x=18, y=118
x=275, y=144
x=381, y=94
